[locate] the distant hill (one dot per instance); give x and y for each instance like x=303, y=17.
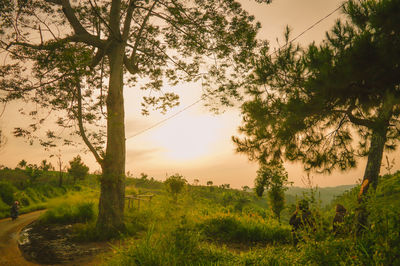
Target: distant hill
x=325, y=194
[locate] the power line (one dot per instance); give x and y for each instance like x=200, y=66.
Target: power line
x=204, y=96
x=164, y=120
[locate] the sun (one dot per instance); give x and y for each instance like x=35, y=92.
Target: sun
x=188, y=137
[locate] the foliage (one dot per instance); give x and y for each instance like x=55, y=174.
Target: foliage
x=33, y=196
x=244, y=229
x=69, y=213
x=274, y=178
x=329, y=104
x=7, y=191
x=175, y=185
x=77, y=168
x=33, y=171
x=141, y=44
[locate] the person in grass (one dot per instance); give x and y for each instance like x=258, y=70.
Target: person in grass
x=300, y=219
x=338, y=220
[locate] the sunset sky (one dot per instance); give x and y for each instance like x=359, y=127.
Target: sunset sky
x=197, y=143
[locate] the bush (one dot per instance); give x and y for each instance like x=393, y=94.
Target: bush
x=4, y=209
x=69, y=213
x=245, y=229
x=7, y=192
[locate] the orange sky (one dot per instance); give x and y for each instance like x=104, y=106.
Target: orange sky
x=195, y=143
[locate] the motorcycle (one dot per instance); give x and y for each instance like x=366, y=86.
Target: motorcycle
x=14, y=211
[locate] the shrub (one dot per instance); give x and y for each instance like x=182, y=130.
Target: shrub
x=69, y=213
x=175, y=185
x=234, y=228
x=4, y=209
x=7, y=192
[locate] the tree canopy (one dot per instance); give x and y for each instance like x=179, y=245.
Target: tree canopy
x=77, y=169
x=75, y=58
x=329, y=104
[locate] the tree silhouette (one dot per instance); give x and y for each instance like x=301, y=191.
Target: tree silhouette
x=273, y=178
x=77, y=169
x=329, y=104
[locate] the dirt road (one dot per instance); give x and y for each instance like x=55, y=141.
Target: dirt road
x=9, y=251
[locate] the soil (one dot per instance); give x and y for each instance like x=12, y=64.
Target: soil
x=54, y=245
x=9, y=252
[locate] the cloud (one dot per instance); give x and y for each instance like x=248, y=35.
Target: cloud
x=135, y=125
x=133, y=155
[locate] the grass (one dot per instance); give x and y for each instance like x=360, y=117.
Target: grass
x=67, y=213
x=214, y=226
x=241, y=228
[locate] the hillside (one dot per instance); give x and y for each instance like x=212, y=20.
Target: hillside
x=324, y=194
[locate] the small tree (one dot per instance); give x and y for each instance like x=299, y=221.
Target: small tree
x=274, y=178
x=225, y=186
x=45, y=167
x=33, y=171
x=196, y=182
x=60, y=172
x=175, y=185
x=210, y=183
x=78, y=170
x=22, y=164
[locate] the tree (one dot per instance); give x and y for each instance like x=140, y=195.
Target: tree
x=225, y=186
x=210, y=183
x=144, y=176
x=61, y=51
x=329, y=104
x=196, y=182
x=44, y=166
x=33, y=172
x=22, y=164
x=78, y=170
x=60, y=169
x=274, y=178
x=175, y=185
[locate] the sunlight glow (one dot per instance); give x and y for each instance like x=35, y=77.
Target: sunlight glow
x=188, y=137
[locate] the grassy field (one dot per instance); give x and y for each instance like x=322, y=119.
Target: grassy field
x=219, y=226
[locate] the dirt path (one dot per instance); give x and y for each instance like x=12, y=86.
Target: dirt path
x=9, y=251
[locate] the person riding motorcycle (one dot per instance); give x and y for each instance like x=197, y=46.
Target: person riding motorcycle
x=14, y=210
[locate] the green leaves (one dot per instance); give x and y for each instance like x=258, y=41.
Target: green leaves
x=312, y=104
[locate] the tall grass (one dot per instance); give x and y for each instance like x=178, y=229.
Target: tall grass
x=244, y=229
x=69, y=213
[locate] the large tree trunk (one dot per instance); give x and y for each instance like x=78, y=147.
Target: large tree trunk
x=112, y=195
x=371, y=174
x=374, y=162
x=370, y=177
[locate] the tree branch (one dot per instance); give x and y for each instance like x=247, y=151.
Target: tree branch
x=81, y=128
x=130, y=63
x=359, y=121
x=128, y=20
x=81, y=34
x=115, y=19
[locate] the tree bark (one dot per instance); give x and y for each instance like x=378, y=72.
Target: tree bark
x=372, y=170
x=374, y=162
x=112, y=195
x=370, y=177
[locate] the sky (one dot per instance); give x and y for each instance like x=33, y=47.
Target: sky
x=196, y=143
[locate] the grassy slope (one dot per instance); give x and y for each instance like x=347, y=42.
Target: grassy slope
x=16, y=185
x=214, y=226
x=203, y=228
x=325, y=194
